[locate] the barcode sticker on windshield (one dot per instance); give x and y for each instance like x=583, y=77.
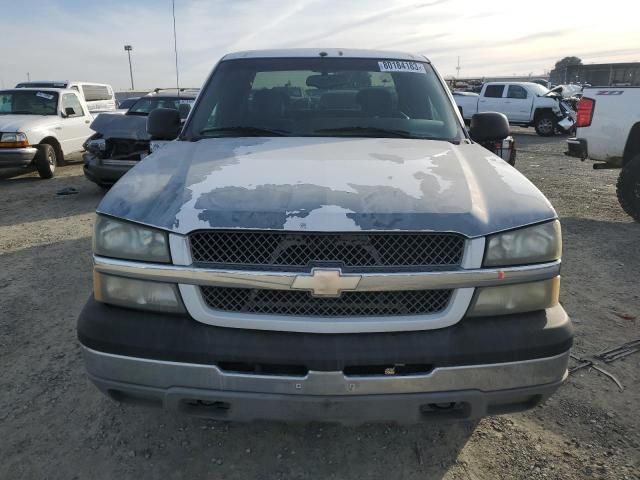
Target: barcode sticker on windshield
x=401, y=66
x=48, y=96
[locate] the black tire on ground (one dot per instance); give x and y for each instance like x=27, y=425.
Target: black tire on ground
x=545, y=125
x=60, y=161
x=628, y=188
x=45, y=161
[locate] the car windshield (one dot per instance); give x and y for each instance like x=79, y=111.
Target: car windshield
x=127, y=103
x=329, y=97
x=146, y=104
x=28, y=102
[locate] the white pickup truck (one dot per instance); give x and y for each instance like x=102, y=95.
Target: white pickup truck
x=524, y=103
x=608, y=132
x=39, y=126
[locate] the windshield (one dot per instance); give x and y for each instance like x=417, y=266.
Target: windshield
x=28, y=102
x=331, y=97
x=146, y=104
x=127, y=103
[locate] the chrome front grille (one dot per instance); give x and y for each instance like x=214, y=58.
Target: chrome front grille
x=299, y=251
x=301, y=303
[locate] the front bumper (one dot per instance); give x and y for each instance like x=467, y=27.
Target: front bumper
x=577, y=147
x=478, y=367
x=17, y=157
x=466, y=392
x=101, y=173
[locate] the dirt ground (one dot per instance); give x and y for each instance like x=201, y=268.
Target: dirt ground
x=55, y=425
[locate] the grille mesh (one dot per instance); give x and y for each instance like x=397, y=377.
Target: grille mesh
x=281, y=249
x=301, y=303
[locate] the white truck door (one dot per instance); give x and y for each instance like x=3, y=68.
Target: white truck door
x=75, y=124
x=518, y=104
x=492, y=99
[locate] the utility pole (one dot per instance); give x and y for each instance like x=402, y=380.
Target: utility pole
x=28, y=77
x=175, y=43
x=458, y=67
x=128, y=48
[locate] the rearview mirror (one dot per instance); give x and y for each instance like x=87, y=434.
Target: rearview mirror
x=69, y=111
x=163, y=124
x=489, y=126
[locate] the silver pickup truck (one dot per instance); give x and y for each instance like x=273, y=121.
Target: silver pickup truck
x=326, y=241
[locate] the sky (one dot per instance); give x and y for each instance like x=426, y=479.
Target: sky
x=83, y=40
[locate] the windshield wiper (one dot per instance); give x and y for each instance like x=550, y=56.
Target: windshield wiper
x=243, y=131
x=367, y=132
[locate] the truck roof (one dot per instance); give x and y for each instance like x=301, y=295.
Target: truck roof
x=40, y=89
x=512, y=82
x=328, y=52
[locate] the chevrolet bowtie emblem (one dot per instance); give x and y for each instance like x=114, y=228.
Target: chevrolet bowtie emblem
x=326, y=282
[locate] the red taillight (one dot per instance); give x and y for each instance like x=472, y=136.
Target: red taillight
x=586, y=106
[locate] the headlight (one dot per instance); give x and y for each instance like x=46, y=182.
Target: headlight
x=13, y=140
x=96, y=145
x=139, y=294
x=517, y=298
x=118, y=239
x=537, y=244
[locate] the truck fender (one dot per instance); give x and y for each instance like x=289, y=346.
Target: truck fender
x=53, y=141
x=632, y=148
x=539, y=111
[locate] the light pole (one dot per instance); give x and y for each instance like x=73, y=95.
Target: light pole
x=128, y=48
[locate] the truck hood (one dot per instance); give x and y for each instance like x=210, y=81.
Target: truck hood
x=116, y=125
x=24, y=123
x=326, y=184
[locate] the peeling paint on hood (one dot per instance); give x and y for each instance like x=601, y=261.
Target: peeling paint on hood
x=326, y=184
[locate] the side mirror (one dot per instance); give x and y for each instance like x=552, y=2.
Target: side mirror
x=69, y=111
x=489, y=126
x=163, y=124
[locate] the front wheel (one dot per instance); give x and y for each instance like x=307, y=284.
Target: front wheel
x=628, y=188
x=545, y=125
x=45, y=161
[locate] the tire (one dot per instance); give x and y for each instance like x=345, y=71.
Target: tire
x=628, y=188
x=545, y=125
x=45, y=161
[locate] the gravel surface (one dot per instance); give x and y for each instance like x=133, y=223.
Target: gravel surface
x=55, y=425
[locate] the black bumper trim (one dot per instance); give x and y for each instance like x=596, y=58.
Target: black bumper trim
x=577, y=147
x=179, y=338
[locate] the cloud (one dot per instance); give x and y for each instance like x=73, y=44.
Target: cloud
x=70, y=39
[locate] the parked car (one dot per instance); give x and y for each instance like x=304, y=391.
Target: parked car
x=289, y=262
x=98, y=97
x=121, y=141
x=524, y=103
x=39, y=126
x=608, y=132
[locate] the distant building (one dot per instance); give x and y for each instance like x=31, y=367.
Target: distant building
x=599, y=74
